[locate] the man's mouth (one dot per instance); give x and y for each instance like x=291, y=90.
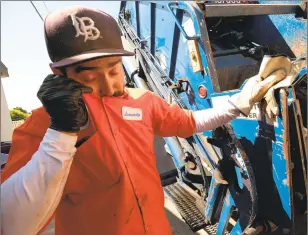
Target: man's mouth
x=115, y=94
x=118, y=93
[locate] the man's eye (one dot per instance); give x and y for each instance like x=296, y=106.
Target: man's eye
x=114, y=71
x=87, y=80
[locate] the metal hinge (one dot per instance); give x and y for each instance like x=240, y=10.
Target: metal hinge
x=180, y=86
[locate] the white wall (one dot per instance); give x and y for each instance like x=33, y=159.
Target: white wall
x=6, y=122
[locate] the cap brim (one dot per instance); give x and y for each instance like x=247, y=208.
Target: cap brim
x=91, y=55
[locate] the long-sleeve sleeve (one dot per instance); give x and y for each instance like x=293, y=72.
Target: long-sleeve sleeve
x=30, y=196
x=212, y=118
x=171, y=120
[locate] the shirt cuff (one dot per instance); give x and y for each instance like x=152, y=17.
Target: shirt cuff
x=55, y=140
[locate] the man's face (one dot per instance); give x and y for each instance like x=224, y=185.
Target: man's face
x=104, y=75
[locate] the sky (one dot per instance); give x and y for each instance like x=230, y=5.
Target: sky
x=23, y=49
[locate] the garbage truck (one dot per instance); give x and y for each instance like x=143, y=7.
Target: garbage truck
x=250, y=175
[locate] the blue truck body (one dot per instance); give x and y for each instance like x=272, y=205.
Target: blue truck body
x=266, y=157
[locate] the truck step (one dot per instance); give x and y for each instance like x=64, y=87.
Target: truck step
x=186, y=205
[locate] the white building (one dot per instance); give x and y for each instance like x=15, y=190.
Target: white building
x=6, y=121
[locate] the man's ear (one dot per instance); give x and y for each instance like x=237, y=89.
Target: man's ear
x=55, y=70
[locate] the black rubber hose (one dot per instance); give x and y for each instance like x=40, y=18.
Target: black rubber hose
x=206, y=182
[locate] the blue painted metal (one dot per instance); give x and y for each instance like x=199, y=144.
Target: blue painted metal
x=175, y=46
x=171, y=6
x=280, y=167
x=163, y=40
x=225, y=214
x=239, y=177
x=176, y=150
x=293, y=31
x=236, y=230
x=131, y=7
x=206, y=154
x=197, y=27
x=137, y=18
x=153, y=23
x=212, y=199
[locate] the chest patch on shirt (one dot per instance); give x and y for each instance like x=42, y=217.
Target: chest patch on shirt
x=129, y=113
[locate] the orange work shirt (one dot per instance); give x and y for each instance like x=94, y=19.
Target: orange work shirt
x=113, y=187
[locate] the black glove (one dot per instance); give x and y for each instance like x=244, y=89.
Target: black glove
x=62, y=99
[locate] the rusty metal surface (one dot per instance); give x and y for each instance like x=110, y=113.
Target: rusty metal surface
x=286, y=149
x=219, y=10
x=300, y=141
x=301, y=135
x=207, y=47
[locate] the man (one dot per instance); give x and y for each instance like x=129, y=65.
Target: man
x=87, y=157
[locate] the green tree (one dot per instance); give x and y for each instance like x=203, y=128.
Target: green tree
x=18, y=113
x=20, y=109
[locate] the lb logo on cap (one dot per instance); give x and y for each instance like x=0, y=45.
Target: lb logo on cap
x=89, y=31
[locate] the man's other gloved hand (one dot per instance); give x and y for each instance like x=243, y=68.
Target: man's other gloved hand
x=272, y=70
x=272, y=108
x=62, y=99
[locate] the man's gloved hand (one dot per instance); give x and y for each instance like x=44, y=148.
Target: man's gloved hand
x=272, y=108
x=62, y=99
x=272, y=70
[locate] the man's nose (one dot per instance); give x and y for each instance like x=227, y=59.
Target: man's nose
x=106, y=87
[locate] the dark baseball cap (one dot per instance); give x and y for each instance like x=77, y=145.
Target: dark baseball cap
x=77, y=34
